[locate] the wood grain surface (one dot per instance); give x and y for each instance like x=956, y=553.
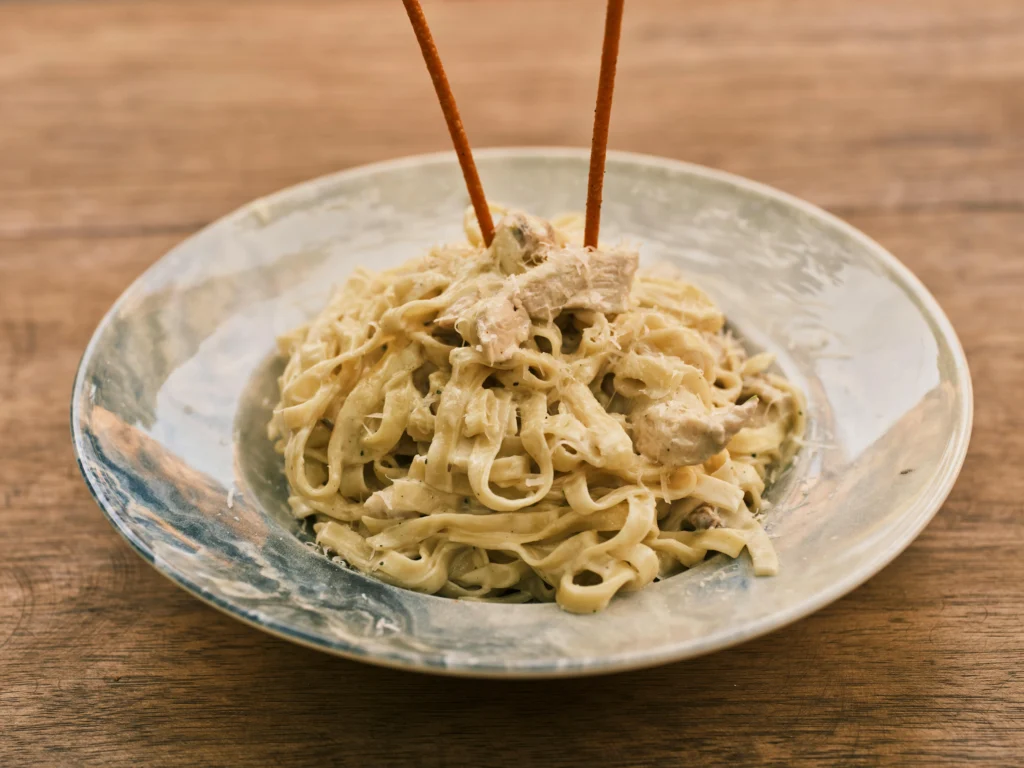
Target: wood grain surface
x=125, y=126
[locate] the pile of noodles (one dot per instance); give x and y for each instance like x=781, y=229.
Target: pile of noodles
x=432, y=466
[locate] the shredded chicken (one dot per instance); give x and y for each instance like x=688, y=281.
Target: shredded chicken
x=497, y=327
x=520, y=242
x=578, y=278
x=677, y=436
x=543, y=279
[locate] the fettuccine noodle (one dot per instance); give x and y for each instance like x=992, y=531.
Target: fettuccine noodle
x=530, y=421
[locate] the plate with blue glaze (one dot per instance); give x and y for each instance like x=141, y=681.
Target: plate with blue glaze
x=172, y=398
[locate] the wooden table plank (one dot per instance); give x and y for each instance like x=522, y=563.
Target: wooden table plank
x=124, y=126
x=207, y=105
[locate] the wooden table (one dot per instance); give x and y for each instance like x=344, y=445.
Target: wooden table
x=125, y=126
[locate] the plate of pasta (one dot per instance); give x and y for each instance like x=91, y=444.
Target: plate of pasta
x=348, y=416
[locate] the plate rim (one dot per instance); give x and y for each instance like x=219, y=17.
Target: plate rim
x=929, y=501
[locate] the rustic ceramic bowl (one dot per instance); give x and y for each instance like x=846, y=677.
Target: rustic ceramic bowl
x=174, y=391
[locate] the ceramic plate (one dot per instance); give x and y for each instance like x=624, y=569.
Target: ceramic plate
x=175, y=389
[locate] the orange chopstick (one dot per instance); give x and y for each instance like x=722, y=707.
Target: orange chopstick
x=602, y=117
x=451, y=116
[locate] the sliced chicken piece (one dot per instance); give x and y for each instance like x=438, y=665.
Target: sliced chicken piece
x=497, y=327
x=578, y=278
x=677, y=436
x=703, y=518
x=520, y=242
x=570, y=278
